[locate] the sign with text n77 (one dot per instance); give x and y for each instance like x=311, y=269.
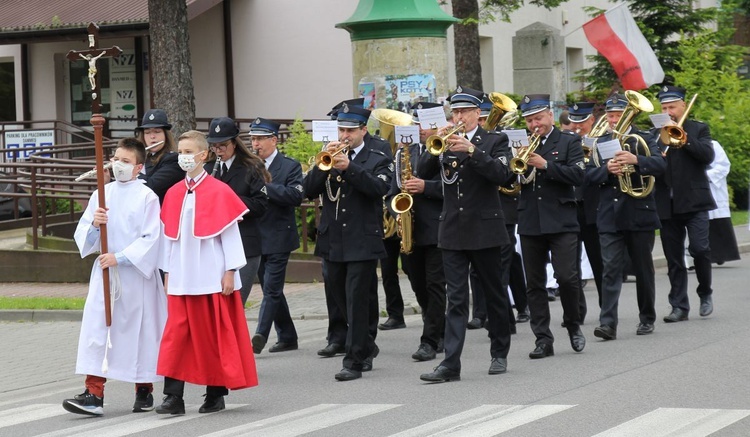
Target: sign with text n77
x=26, y=142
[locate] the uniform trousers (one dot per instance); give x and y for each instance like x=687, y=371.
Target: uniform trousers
x=513, y=271
x=673, y=241
x=394, y=302
x=427, y=280
x=487, y=263
x=535, y=248
x=590, y=241
x=248, y=273
x=274, y=309
x=350, y=283
x=639, y=245
x=337, y=326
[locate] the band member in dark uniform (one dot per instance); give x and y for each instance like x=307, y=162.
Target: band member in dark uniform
x=246, y=174
x=548, y=222
x=350, y=234
x=472, y=167
x=279, y=235
x=161, y=170
x=626, y=224
x=425, y=261
x=683, y=199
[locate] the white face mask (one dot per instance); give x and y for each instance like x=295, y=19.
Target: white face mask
x=123, y=171
x=186, y=162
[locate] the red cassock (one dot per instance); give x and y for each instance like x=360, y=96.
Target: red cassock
x=206, y=339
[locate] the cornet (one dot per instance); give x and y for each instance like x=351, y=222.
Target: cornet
x=436, y=144
x=519, y=164
x=324, y=159
x=108, y=165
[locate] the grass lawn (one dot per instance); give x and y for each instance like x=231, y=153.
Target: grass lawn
x=41, y=303
x=739, y=218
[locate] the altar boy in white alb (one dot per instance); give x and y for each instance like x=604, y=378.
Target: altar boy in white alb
x=139, y=305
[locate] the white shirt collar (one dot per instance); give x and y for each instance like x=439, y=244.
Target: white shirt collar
x=270, y=159
x=358, y=149
x=470, y=134
x=229, y=161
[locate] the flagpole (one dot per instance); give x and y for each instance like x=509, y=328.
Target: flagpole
x=581, y=26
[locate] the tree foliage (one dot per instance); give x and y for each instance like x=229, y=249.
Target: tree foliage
x=661, y=23
x=708, y=68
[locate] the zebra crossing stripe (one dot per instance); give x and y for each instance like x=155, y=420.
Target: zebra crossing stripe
x=125, y=425
x=683, y=422
x=485, y=420
x=29, y=413
x=304, y=421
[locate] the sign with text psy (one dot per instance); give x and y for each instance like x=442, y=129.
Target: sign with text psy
x=23, y=143
x=402, y=91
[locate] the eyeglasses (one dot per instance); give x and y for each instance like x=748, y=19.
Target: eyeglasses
x=220, y=146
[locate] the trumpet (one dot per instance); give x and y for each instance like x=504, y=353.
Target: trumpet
x=519, y=164
x=675, y=136
x=324, y=159
x=436, y=144
x=108, y=165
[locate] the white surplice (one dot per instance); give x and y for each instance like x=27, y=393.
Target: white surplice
x=200, y=263
x=140, y=311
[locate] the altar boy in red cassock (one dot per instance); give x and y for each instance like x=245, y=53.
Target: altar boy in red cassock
x=206, y=340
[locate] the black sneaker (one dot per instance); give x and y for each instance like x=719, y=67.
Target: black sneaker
x=85, y=403
x=144, y=400
x=212, y=404
x=172, y=404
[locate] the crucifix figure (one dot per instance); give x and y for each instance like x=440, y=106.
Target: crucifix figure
x=91, y=56
x=97, y=121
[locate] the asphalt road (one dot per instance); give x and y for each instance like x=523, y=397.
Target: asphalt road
x=687, y=379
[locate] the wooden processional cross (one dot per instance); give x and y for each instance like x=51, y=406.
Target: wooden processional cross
x=91, y=55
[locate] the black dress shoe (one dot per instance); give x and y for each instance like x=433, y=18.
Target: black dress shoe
x=283, y=347
x=605, y=332
x=259, y=342
x=212, y=404
x=644, y=329
x=542, y=350
x=498, y=366
x=475, y=323
x=348, y=375
x=424, y=353
x=677, y=315
x=392, y=323
x=523, y=316
x=707, y=306
x=331, y=350
x=367, y=363
x=441, y=374
x=577, y=340
x=172, y=404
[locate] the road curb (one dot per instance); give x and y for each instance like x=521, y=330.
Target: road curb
x=41, y=315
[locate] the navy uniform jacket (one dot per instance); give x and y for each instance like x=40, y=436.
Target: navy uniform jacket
x=619, y=211
x=163, y=175
x=351, y=229
x=590, y=198
x=284, y=195
x=377, y=143
x=427, y=205
x=685, y=180
x=249, y=185
x=472, y=217
x=510, y=206
x=548, y=204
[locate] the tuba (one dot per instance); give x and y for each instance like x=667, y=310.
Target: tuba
x=636, y=103
x=504, y=112
x=675, y=136
x=599, y=129
x=436, y=144
x=403, y=201
x=519, y=164
x=388, y=119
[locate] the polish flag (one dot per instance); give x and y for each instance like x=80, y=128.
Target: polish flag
x=615, y=36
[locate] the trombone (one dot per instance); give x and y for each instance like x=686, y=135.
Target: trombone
x=436, y=144
x=674, y=135
x=324, y=159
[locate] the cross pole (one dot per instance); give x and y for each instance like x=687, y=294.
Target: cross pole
x=91, y=55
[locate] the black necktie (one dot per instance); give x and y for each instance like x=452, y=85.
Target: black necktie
x=224, y=169
x=351, y=155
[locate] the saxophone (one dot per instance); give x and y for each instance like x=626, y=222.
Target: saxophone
x=402, y=202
